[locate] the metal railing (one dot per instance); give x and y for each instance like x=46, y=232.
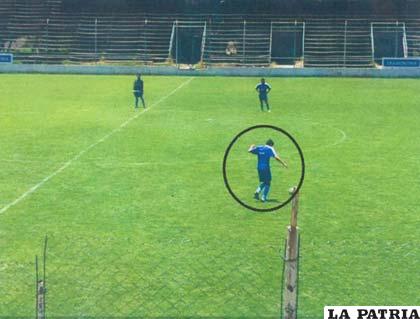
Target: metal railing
x=35, y=35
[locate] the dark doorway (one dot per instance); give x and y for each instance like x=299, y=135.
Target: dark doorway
x=287, y=45
x=388, y=43
x=187, y=45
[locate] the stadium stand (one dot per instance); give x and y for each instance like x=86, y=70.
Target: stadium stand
x=337, y=42
x=251, y=39
x=413, y=37
x=6, y=9
x=44, y=33
x=122, y=38
x=358, y=47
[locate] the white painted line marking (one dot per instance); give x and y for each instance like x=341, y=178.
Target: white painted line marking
x=76, y=157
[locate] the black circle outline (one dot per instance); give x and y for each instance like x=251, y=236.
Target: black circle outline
x=227, y=154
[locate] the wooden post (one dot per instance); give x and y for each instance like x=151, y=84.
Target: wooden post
x=41, y=285
x=40, y=302
x=40, y=293
x=290, y=285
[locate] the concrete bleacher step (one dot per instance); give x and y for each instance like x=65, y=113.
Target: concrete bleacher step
x=324, y=42
x=122, y=39
x=43, y=33
x=413, y=37
x=251, y=40
x=6, y=10
x=27, y=26
x=338, y=43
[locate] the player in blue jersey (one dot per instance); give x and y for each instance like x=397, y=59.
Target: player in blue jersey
x=264, y=153
x=263, y=89
x=138, y=91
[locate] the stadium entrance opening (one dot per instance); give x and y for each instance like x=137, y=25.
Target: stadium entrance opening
x=287, y=42
x=388, y=40
x=187, y=42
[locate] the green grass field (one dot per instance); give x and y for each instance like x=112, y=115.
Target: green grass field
x=138, y=217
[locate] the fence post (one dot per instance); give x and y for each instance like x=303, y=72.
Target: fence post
x=405, y=44
x=372, y=43
x=176, y=43
x=243, y=42
x=203, y=42
x=96, y=38
x=41, y=287
x=40, y=300
x=145, y=53
x=345, y=44
x=171, y=42
x=47, y=35
x=303, y=42
x=295, y=40
x=396, y=39
x=271, y=42
x=36, y=286
x=290, y=285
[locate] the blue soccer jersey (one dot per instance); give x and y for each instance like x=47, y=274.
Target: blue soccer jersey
x=264, y=153
x=263, y=89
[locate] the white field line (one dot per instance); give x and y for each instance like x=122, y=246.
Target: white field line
x=342, y=139
x=81, y=153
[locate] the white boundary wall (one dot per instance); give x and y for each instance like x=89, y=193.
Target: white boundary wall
x=212, y=71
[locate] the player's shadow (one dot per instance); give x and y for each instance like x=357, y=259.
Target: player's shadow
x=271, y=200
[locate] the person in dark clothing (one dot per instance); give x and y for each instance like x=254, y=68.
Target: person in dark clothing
x=138, y=91
x=263, y=89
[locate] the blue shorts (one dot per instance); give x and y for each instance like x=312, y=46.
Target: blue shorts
x=263, y=97
x=264, y=175
x=138, y=94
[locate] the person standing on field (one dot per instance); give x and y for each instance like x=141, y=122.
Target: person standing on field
x=263, y=89
x=138, y=91
x=264, y=153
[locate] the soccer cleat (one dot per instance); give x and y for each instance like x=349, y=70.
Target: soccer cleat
x=269, y=110
x=256, y=196
x=263, y=199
